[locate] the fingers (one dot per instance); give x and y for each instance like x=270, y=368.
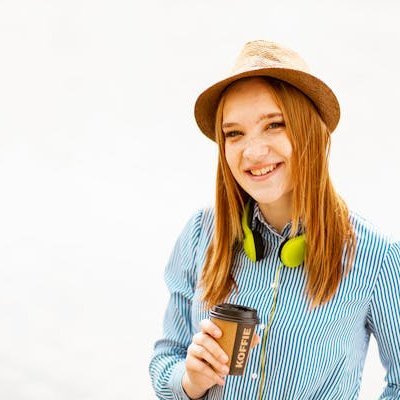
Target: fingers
x=207, y=326
x=255, y=340
x=195, y=365
x=201, y=352
x=206, y=338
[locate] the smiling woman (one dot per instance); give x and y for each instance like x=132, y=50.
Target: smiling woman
x=272, y=121
x=257, y=148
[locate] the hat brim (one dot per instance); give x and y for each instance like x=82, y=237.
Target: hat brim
x=320, y=94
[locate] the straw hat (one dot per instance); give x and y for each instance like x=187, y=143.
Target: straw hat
x=263, y=58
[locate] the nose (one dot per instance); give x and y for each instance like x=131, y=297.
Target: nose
x=255, y=149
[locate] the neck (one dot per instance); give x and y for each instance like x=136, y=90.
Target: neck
x=278, y=213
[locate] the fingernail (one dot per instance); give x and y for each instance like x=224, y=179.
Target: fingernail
x=224, y=358
x=217, y=333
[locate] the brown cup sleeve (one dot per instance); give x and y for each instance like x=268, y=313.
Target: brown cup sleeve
x=227, y=340
x=235, y=341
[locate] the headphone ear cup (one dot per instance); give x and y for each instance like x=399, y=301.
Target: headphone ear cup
x=253, y=245
x=259, y=245
x=292, y=251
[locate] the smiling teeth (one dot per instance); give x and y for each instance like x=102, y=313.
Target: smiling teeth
x=263, y=171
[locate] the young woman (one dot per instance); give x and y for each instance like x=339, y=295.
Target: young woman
x=272, y=120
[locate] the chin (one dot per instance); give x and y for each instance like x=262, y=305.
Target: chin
x=269, y=199
x=266, y=201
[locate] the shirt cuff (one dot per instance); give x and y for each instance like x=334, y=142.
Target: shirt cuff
x=175, y=382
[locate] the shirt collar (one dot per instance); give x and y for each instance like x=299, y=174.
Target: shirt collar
x=257, y=215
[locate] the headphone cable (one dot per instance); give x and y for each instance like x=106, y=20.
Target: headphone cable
x=266, y=331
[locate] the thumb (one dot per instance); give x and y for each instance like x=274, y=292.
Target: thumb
x=255, y=340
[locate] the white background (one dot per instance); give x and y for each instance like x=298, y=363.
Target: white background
x=101, y=165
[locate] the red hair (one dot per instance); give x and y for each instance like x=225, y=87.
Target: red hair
x=316, y=204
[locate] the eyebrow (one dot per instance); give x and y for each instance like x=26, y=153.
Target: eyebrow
x=262, y=117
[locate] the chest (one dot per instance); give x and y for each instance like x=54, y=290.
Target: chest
x=336, y=323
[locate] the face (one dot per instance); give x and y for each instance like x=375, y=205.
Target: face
x=257, y=148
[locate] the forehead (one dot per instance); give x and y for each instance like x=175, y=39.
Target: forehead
x=250, y=95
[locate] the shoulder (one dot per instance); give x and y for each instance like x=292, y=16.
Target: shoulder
x=195, y=238
x=372, y=243
x=366, y=230
x=199, y=225
x=201, y=219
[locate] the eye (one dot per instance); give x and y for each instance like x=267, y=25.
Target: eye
x=275, y=125
x=232, y=134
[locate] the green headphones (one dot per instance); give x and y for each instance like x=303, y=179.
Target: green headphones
x=291, y=251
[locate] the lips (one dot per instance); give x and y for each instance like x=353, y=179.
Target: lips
x=263, y=170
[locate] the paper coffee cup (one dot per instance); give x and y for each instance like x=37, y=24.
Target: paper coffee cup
x=237, y=324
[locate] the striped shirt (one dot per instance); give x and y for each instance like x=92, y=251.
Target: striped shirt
x=311, y=354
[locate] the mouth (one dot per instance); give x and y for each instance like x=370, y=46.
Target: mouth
x=262, y=172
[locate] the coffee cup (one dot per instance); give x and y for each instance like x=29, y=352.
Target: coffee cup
x=237, y=324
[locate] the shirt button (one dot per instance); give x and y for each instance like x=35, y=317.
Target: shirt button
x=262, y=326
x=273, y=285
x=254, y=376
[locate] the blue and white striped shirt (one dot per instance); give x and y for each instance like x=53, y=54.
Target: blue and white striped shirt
x=316, y=354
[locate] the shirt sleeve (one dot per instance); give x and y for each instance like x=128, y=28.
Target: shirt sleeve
x=384, y=320
x=167, y=364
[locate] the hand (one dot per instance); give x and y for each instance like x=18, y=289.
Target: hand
x=206, y=362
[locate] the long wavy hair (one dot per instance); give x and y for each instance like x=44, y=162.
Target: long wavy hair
x=330, y=238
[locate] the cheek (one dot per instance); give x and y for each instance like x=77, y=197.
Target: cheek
x=286, y=147
x=231, y=157
x=289, y=177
